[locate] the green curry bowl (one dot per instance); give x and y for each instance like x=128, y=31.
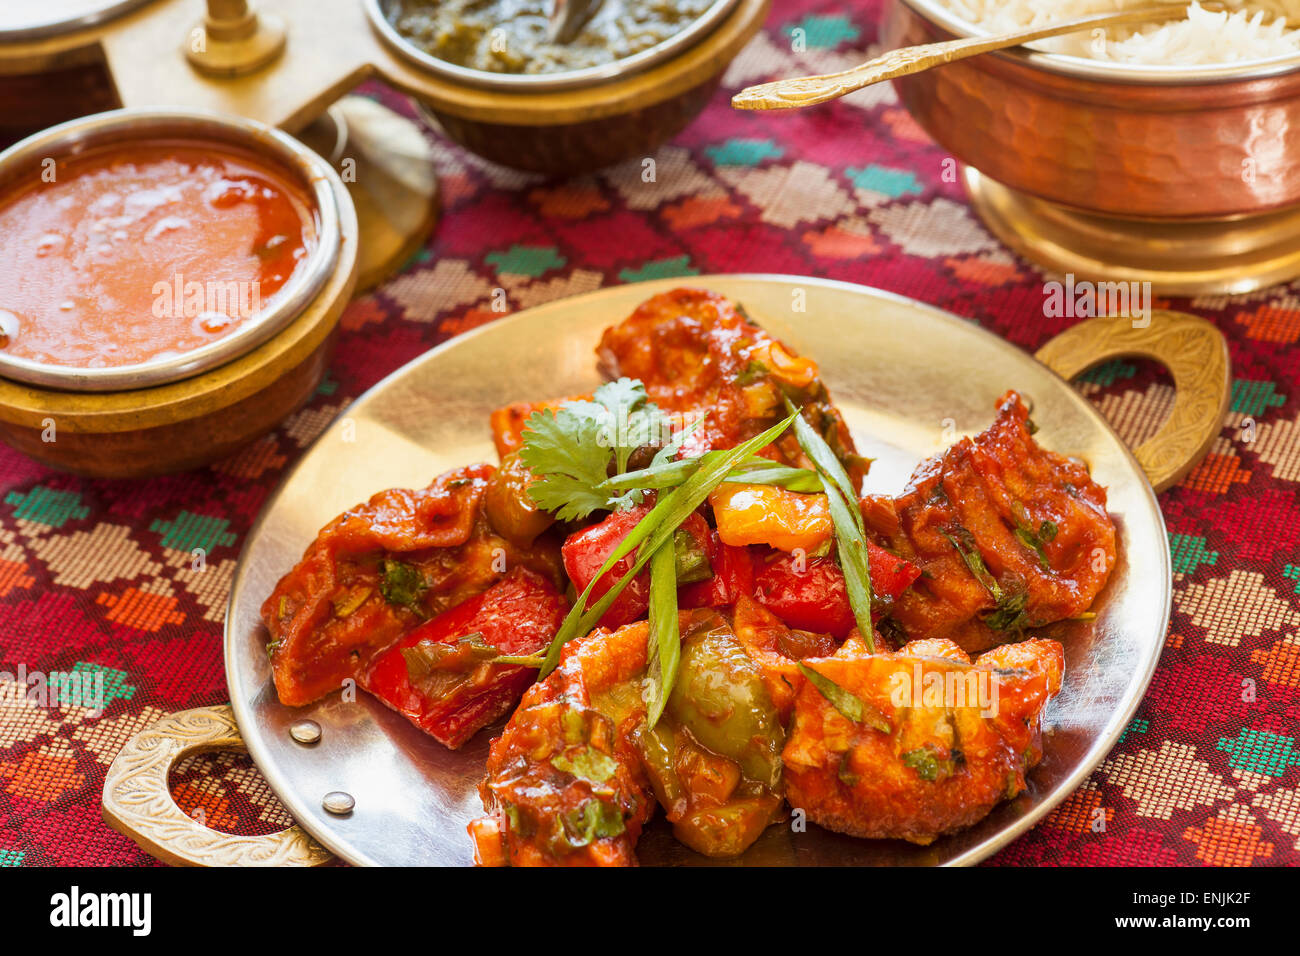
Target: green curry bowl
x=512, y=98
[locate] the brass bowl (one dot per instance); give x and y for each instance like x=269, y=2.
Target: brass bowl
x=1185, y=176
x=539, y=124
x=155, y=426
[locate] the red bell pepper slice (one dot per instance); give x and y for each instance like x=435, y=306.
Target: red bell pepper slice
x=517, y=616
x=890, y=574
x=585, y=553
x=815, y=598
x=733, y=576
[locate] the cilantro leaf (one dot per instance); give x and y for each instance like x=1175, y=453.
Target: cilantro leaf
x=570, y=450
x=563, y=451
x=625, y=395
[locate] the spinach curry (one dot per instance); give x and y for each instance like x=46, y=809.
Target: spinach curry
x=510, y=36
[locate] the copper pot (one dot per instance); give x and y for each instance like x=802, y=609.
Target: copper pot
x=1206, y=159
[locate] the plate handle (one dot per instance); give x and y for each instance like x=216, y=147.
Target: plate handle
x=138, y=802
x=1196, y=354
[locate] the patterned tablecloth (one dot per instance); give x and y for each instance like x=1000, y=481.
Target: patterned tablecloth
x=97, y=578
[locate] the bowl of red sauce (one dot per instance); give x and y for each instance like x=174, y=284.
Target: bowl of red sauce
x=169, y=276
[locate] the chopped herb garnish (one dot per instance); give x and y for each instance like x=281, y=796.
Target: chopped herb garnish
x=347, y=605
x=752, y=372
x=1032, y=538
x=403, y=584
x=1008, y=613
x=592, y=820
x=587, y=764
x=462, y=654
x=849, y=705
x=927, y=764
x=964, y=544
x=847, y=776
x=664, y=650
x=572, y=450
x=691, y=560
x=653, y=530
x=846, y=517
x=752, y=471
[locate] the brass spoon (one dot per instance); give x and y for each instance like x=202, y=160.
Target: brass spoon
x=810, y=90
x=567, y=17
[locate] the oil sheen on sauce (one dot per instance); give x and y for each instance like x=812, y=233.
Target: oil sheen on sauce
x=135, y=252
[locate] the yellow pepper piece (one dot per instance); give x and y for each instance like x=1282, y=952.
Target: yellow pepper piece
x=771, y=515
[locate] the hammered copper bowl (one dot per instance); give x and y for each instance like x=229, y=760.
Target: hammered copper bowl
x=172, y=414
x=1157, y=142
x=573, y=123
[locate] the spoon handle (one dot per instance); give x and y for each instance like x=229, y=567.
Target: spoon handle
x=567, y=17
x=809, y=90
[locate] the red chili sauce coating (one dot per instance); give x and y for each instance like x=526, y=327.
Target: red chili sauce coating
x=132, y=252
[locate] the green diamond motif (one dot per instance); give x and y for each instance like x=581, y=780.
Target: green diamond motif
x=882, y=179
x=188, y=531
x=744, y=152
x=821, y=33
x=1189, y=553
x=47, y=506
x=67, y=688
x=529, y=261
x=660, y=269
x=1137, y=725
x=1292, y=571
x=1108, y=373
x=1259, y=751
x=1255, y=398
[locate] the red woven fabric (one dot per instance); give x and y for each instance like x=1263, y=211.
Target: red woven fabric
x=96, y=577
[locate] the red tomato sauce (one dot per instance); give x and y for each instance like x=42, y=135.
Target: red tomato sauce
x=128, y=253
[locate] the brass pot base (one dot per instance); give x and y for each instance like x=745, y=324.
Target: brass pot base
x=1208, y=257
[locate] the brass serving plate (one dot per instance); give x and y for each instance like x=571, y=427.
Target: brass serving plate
x=908, y=377
x=905, y=395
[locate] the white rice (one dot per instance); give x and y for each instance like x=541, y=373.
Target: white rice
x=1256, y=31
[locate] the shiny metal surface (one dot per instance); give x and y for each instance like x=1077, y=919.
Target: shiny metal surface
x=37, y=19
x=908, y=378
x=376, y=10
x=802, y=91
x=1116, y=72
x=1185, y=177
x=305, y=731
x=149, y=124
x=1102, y=140
x=566, y=17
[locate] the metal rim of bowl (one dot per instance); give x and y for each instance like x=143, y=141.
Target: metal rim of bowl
x=547, y=82
x=134, y=124
x=41, y=28
x=1153, y=74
